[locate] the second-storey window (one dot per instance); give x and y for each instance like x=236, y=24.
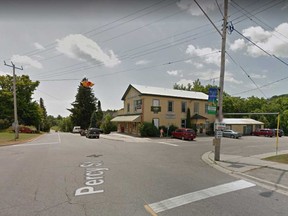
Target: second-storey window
x=183, y=107
x=196, y=107
x=206, y=108
x=156, y=102
x=128, y=107
x=170, y=106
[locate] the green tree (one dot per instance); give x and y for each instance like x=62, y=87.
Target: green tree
x=44, y=125
x=188, y=118
x=107, y=126
x=93, y=120
x=99, y=114
x=83, y=107
x=65, y=124
x=27, y=110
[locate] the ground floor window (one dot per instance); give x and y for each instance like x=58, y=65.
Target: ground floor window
x=183, y=123
x=156, y=122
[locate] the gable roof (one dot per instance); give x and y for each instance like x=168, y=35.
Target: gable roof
x=148, y=90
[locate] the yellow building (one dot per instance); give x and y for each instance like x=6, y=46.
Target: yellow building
x=165, y=107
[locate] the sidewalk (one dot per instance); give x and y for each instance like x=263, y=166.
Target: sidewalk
x=271, y=175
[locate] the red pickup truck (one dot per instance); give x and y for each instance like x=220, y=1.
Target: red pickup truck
x=264, y=132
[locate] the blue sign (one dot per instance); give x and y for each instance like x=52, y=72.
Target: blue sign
x=212, y=95
x=212, y=101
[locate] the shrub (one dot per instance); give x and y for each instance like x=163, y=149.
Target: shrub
x=148, y=130
x=4, y=124
x=171, y=129
x=107, y=126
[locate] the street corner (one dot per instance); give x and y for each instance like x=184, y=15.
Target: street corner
x=208, y=158
x=232, y=164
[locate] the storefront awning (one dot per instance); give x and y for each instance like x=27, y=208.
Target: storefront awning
x=130, y=118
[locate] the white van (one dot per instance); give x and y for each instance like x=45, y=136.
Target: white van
x=76, y=129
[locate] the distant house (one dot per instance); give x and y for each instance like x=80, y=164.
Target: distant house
x=163, y=107
x=243, y=125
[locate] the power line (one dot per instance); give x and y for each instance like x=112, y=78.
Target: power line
x=259, y=11
x=262, y=86
x=135, y=68
x=285, y=63
x=246, y=74
x=261, y=21
x=52, y=45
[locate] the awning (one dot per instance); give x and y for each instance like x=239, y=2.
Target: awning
x=197, y=117
x=130, y=118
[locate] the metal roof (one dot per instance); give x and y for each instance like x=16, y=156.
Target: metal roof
x=148, y=90
x=241, y=121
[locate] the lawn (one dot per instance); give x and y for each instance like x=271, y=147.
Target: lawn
x=8, y=138
x=278, y=158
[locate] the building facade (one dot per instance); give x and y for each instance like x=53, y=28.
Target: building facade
x=163, y=107
x=243, y=125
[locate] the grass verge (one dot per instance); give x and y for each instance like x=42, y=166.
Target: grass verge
x=278, y=158
x=8, y=138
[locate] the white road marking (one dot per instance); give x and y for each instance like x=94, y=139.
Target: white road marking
x=35, y=144
x=199, y=195
x=59, y=138
x=165, y=143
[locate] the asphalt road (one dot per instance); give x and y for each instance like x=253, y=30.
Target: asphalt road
x=63, y=174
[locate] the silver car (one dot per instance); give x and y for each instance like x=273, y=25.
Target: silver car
x=231, y=134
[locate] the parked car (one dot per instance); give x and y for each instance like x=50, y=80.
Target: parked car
x=76, y=129
x=184, y=134
x=93, y=133
x=24, y=129
x=231, y=134
x=280, y=132
x=264, y=132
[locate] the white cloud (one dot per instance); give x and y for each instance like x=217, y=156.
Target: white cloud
x=257, y=34
x=215, y=74
x=258, y=76
x=238, y=44
x=142, y=62
x=25, y=60
x=80, y=47
x=174, y=73
x=198, y=65
x=185, y=82
x=39, y=46
x=274, y=42
x=193, y=8
x=209, y=55
x=3, y=73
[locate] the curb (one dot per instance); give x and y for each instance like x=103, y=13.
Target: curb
x=260, y=182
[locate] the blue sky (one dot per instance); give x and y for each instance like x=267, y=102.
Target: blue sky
x=153, y=43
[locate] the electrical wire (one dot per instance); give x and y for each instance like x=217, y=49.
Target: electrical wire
x=285, y=63
x=234, y=61
x=134, y=69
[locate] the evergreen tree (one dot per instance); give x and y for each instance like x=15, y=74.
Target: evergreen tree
x=93, y=120
x=188, y=119
x=44, y=125
x=83, y=107
x=99, y=115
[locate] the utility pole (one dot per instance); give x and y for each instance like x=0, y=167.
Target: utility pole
x=221, y=82
x=15, y=101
